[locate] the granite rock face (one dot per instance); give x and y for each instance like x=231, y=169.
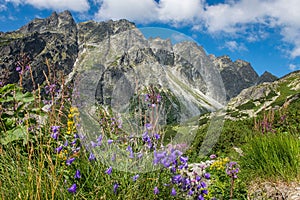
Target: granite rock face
x=53, y=39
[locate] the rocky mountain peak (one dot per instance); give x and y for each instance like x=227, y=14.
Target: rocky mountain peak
x=95, y=32
x=241, y=63
x=62, y=22
x=236, y=75
x=158, y=43
x=266, y=77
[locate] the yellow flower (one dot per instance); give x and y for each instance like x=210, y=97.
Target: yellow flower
x=70, y=123
x=219, y=164
x=74, y=111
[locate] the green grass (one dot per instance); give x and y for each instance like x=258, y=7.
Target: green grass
x=285, y=91
x=272, y=156
x=246, y=106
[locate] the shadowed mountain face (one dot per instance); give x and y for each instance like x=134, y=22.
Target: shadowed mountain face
x=122, y=57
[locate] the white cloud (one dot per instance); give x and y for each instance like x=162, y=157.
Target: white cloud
x=141, y=11
x=234, y=46
x=292, y=67
x=179, y=11
x=73, y=5
x=235, y=17
x=2, y=7
x=16, y=2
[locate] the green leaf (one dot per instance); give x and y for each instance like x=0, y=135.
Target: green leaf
x=9, y=122
x=7, y=99
x=18, y=133
x=27, y=97
x=8, y=87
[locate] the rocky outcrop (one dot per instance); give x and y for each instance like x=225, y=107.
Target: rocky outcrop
x=53, y=39
x=236, y=75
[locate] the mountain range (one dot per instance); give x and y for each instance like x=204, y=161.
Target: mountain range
x=114, y=59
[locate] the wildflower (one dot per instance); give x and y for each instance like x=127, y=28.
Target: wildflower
x=176, y=179
x=73, y=143
x=173, y=169
x=158, y=156
x=70, y=123
x=55, y=132
x=140, y=155
x=200, y=197
x=198, y=178
x=99, y=140
x=232, y=170
x=72, y=189
x=50, y=88
x=18, y=69
x=110, y=141
x=58, y=149
x=77, y=174
x=183, y=159
x=113, y=158
x=147, y=97
x=55, y=135
x=94, y=144
x=204, y=192
x=134, y=178
x=91, y=157
x=155, y=191
x=158, y=98
x=173, y=192
x=148, y=126
x=69, y=161
x=203, y=184
x=129, y=148
x=66, y=143
x=157, y=136
x=55, y=129
x=116, y=185
x=212, y=156
x=207, y=175
x=109, y=170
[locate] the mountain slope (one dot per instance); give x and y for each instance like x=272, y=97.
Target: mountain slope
x=266, y=96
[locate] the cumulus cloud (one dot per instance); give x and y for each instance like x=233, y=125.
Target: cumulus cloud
x=135, y=10
x=234, y=46
x=73, y=5
x=235, y=17
x=292, y=67
x=179, y=11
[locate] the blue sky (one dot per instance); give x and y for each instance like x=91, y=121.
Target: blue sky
x=265, y=33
